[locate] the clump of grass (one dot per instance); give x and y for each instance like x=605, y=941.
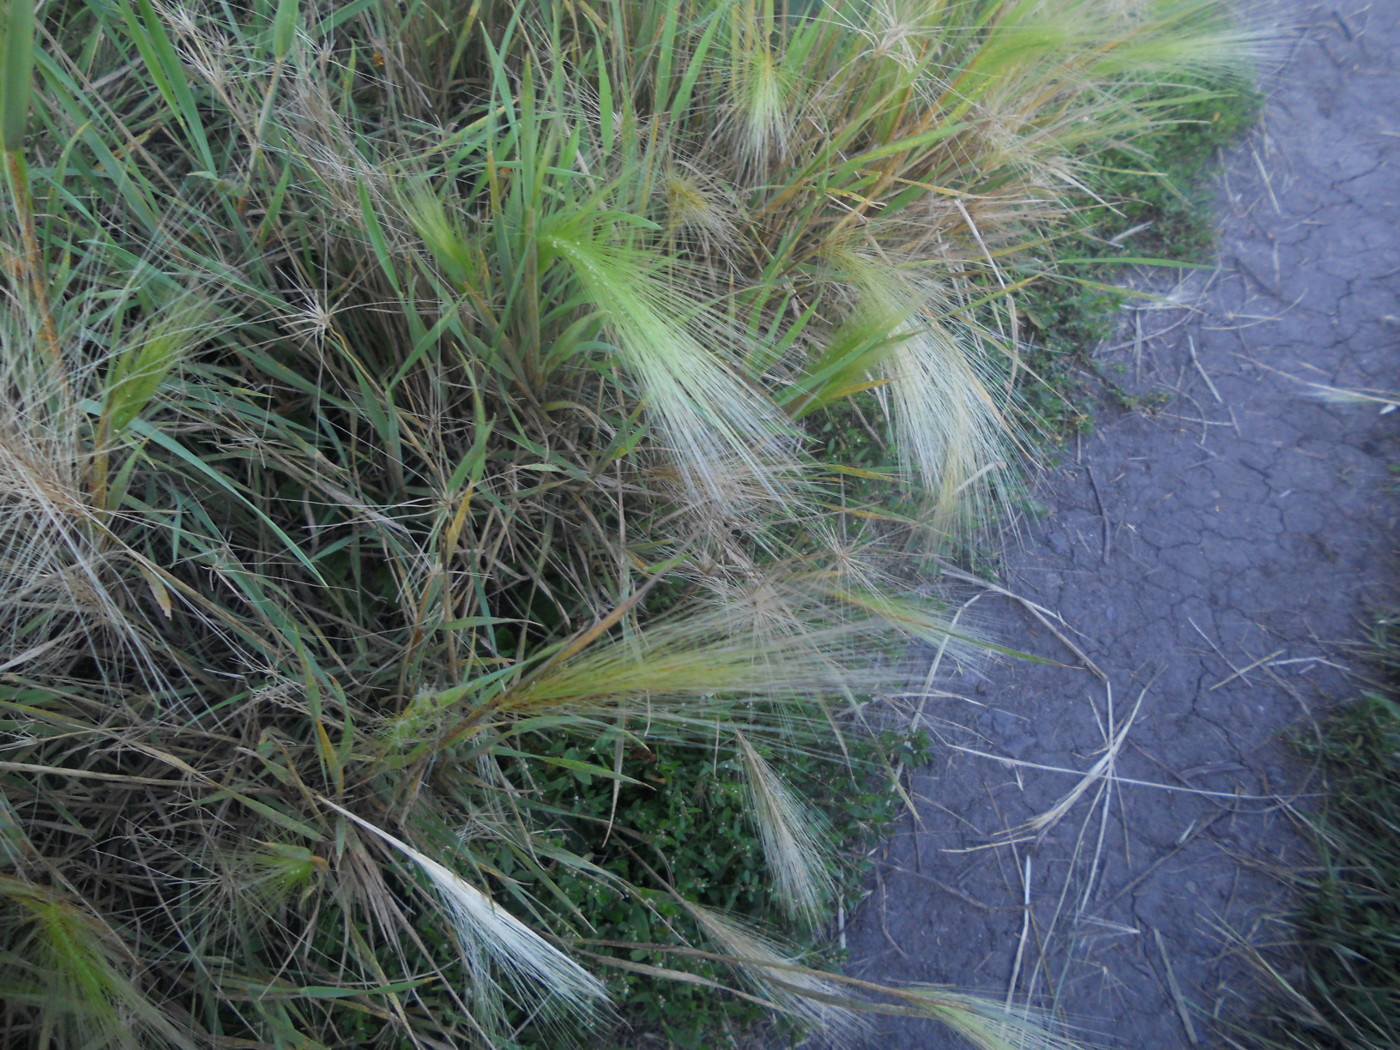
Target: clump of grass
x=410, y=413
x=1346, y=993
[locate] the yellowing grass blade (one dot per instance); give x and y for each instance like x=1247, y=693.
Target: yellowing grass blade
x=488, y=929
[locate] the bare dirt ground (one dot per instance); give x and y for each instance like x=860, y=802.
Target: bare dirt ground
x=1201, y=568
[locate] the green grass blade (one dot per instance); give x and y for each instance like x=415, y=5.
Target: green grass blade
x=16, y=72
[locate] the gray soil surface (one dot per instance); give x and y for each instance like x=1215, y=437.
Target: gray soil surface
x=1202, y=567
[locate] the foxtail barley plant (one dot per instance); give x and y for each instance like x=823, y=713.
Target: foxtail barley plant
x=392, y=391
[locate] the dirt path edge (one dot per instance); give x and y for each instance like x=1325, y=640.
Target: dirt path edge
x=1212, y=558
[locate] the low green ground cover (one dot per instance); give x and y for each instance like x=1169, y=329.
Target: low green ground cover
x=1344, y=994
x=1153, y=201
x=691, y=818
x=458, y=464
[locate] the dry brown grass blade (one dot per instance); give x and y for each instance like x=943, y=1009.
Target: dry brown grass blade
x=1044, y=615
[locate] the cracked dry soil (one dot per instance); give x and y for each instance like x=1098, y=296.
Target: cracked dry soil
x=1210, y=560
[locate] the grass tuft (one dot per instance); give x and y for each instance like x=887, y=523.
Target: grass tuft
x=446, y=454
x=1344, y=993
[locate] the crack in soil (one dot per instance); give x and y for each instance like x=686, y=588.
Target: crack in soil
x=1212, y=556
